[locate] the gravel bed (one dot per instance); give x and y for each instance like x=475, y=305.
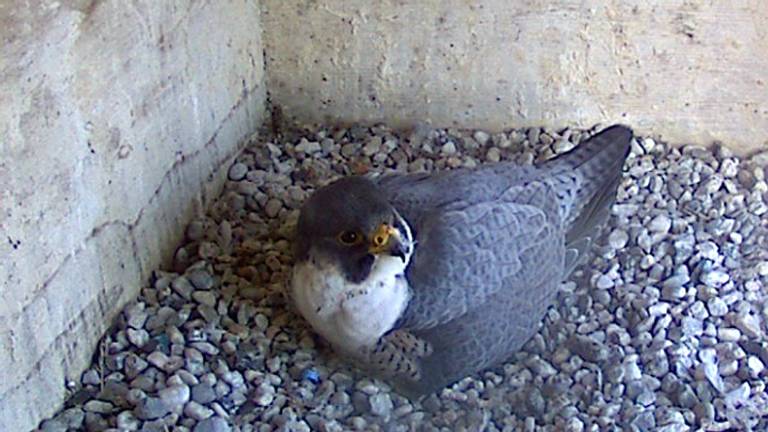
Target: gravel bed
x=664, y=329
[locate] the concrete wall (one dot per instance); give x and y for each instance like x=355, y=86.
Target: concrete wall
x=689, y=70
x=116, y=119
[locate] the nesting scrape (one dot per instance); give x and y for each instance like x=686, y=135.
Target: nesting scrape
x=663, y=328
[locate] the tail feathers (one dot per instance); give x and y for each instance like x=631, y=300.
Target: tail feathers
x=597, y=164
x=602, y=149
x=583, y=230
x=592, y=168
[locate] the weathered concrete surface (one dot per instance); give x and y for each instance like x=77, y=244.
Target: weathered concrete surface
x=689, y=70
x=115, y=121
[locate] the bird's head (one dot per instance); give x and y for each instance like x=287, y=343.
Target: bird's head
x=349, y=225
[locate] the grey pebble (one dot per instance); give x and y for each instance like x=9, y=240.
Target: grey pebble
x=273, y=207
x=381, y=405
x=632, y=371
x=645, y=421
x=134, y=365
x=136, y=315
x=201, y=279
x=99, y=407
x=95, y=421
x=139, y=338
x=212, y=424
x=91, y=377
x=151, y=408
x=207, y=298
x=174, y=397
x=183, y=287
x=263, y=395
x=372, y=146
x=197, y=411
x=350, y=149
x=673, y=291
x=237, y=171
x=308, y=147
x=676, y=281
x=686, y=397
x=588, y=348
x=692, y=326
x=127, y=421
x=535, y=402
x=618, y=239
x=53, y=425
x=205, y=347
x=705, y=412
x=72, y=417
x=717, y=307
x=562, y=146
x=749, y=324
x=203, y=393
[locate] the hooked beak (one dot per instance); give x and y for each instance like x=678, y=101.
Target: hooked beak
x=386, y=240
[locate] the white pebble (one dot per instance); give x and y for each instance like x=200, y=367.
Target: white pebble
x=762, y=268
x=308, y=147
x=755, y=366
x=717, y=307
x=728, y=334
x=648, y=144
x=715, y=278
x=604, y=282
x=448, y=148
x=660, y=224
x=618, y=239
x=493, y=155
x=481, y=137
x=264, y=394
x=237, y=171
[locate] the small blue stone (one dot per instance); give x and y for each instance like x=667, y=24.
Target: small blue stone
x=164, y=342
x=311, y=375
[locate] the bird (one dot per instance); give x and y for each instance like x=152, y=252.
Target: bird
x=427, y=278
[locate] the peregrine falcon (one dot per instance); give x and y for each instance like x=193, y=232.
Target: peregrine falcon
x=428, y=278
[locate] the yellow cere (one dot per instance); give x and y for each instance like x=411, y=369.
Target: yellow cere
x=380, y=238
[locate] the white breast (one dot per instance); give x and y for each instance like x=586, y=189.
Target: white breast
x=351, y=317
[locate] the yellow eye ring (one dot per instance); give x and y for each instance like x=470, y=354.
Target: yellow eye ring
x=349, y=238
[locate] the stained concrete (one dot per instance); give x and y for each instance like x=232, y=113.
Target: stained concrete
x=689, y=71
x=116, y=119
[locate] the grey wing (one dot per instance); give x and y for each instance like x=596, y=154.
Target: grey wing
x=467, y=254
x=416, y=196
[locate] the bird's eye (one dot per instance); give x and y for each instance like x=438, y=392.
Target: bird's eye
x=349, y=238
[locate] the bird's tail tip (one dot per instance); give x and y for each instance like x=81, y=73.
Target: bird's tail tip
x=617, y=132
x=601, y=151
